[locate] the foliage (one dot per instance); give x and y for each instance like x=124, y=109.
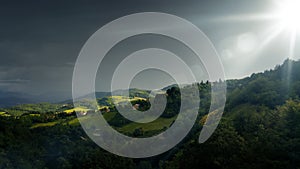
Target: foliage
x=260, y=129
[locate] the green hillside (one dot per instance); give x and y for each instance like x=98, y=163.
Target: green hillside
x=260, y=128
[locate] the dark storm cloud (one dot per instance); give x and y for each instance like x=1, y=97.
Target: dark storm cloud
x=40, y=39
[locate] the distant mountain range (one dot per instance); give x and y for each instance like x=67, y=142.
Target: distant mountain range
x=8, y=99
x=13, y=98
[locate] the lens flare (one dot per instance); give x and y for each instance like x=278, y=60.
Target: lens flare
x=289, y=14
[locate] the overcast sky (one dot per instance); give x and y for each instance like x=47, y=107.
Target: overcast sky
x=41, y=39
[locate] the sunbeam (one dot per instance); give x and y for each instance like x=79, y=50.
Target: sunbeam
x=270, y=35
x=289, y=14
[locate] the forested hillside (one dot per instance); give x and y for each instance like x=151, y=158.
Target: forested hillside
x=260, y=128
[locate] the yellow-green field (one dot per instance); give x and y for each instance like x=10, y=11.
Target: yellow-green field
x=48, y=124
x=35, y=115
x=157, y=124
x=4, y=114
x=119, y=99
x=81, y=109
x=108, y=116
x=102, y=107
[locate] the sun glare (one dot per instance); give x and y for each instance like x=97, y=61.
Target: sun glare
x=289, y=14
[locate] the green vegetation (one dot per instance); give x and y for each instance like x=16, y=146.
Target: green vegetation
x=77, y=109
x=4, y=114
x=110, y=100
x=260, y=128
x=48, y=124
x=157, y=124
